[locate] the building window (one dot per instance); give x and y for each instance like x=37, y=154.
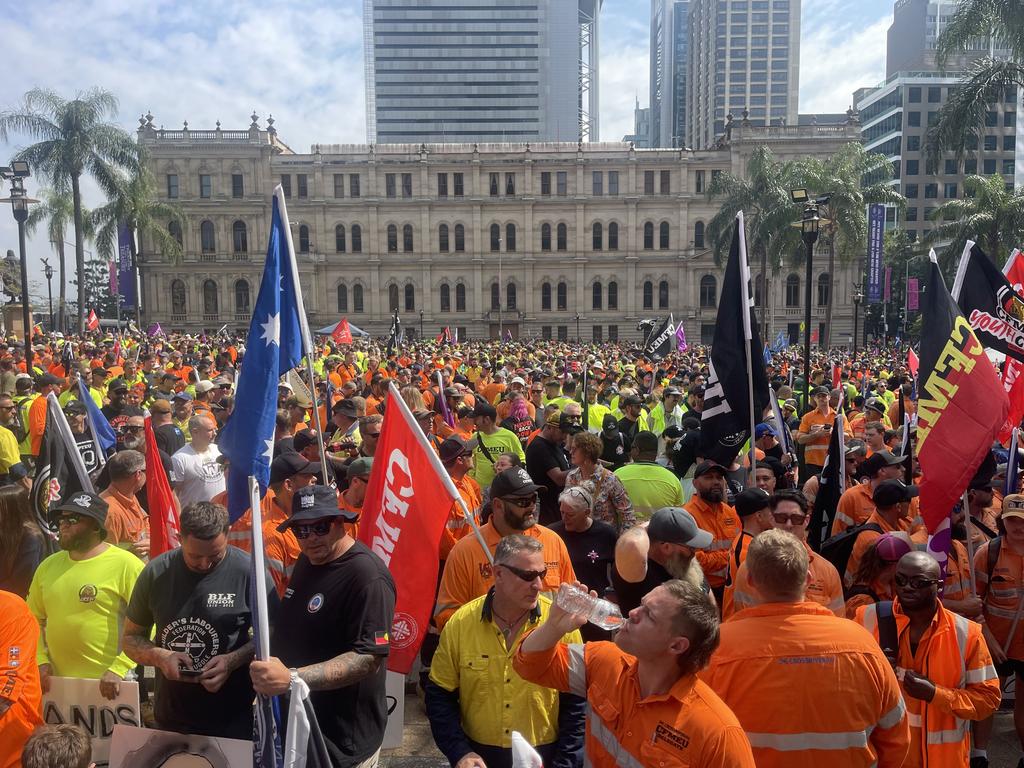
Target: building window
x=390, y=185
x=648, y=294
x=172, y=186
x=699, y=182
x=342, y=298
x=613, y=333
x=545, y=332
x=353, y=191
x=648, y=235
x=174, y=230
x=339, y=238
x=392, y=238
x=949, y=190
x=824, y=288
x=446, y=298
x=460, y=237
x=510, y=237
x=665, y=183
x=912, y=167
x=562, y=235
x=562, y=180
x=407, y=185
x=598, y=236
x=931, y=191
x=211, y=299
x=442, y=185
x=914, y=95
x=596, y=333
x=934, y=95
x=357, y=239
x=596, y=303
x=442, y=238
x=495, y=238
x=495, y=296
x=708, y=292
x=460, y=298
x=407, y=238
x=205, y=185
x=613, y=183
x=241, y=297
x=302, y=182
x=545, y=183
x=758, y=291
x=357, y=298
x=793, y=291
x=458, y=187
x=545, y=297
x=493, y=186
x=179, y=304
x=410, y=298
x=286, y=184
x=597, y=178
x=510, y=296
x=563, y=333
x=510, y=184
x=303, y=239
x=698, y=235
x=663, y=294
x=910, y=191
x=648, y=182
x=339, y=185
x=613, y=295
x=990, y=144
x=563, y=297
x=545, y=237
x=239, y=237
x=663, y=235
x=206, y=237
x=392, y=298
x=613, y=237
x=237, y=188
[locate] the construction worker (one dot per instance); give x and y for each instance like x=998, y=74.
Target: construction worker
x=712, y=514
x=788, y=655
x=941, y=660
x=753, y=505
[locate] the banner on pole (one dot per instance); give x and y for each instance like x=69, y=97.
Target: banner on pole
x=913, y=293
x=74, y=701
x=125, y=272
x=876, y=231
x=887, y=290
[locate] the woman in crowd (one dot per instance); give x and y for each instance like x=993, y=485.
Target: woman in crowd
x=611, y=502
x=518, y=421
x=873, y=581
x=22, y=542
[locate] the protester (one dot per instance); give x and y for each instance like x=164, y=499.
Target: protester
x=753, y=506
x=197, y=475
x=648, y=485
x=127, y=522
x=711, y=512
x=491, y=442
x=892, y=502
x=611, y=502
x=873, y=581
x=547, y=463
x=856, y=504
x=22, y=544
x=21, y=697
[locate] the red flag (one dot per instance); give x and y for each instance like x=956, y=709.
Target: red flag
x=164, y=525
x=342, y=334
x=402, y=523
x=814, y=336
x=837, y=376
x=912, y=362
x=1013, y=381
x=92, y=322
x=445, y=336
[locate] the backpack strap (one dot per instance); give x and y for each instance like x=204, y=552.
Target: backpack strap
x=888, y=640
x=994, y=547
x=483, y=447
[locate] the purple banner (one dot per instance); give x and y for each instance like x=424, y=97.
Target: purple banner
x=125, y=273
x=912, y=294
x=876, y=231
x=888, y=284
x=681, y=345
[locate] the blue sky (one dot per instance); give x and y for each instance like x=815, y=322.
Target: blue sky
x=302, y=61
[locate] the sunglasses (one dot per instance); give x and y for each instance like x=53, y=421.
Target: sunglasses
x=66, y=520
x=305, y=530
x=526, y=575
x=523, y=502
x=915, y=582
x=132, y=429
x=793, y=519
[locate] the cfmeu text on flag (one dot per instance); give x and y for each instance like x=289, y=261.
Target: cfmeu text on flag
x=397, y=490
x=959, y=355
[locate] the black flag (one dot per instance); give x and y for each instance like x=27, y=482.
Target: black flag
x=988, y=301
x=831, y=485
x=60, y=469
x=661, y=341
x=393, y=338
x=725, y=422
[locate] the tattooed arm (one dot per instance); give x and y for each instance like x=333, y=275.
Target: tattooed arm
x=346, y=669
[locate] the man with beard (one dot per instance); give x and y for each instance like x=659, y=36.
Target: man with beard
x=468, y=572
x=76, y=415
x=664, y=549
x=78, y=596
x=119, y=409
x=12, y=470
x=712, y=514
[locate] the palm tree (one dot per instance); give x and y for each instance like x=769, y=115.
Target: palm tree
x=57, y=212
x=763, y=196
x=74, y=140
x=987, y=79
x=988, y=214
x=853, y=178
x=134, y=203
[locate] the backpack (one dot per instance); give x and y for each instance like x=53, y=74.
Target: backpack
x=837, y=549
x=888, y=639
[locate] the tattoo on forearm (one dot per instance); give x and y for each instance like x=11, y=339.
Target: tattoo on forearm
x=343, y=670
x=139, y=649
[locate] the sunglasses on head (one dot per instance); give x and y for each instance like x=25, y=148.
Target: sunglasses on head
x=305, y=530
x=526, y=575
x=523, y=502
x=915, y=582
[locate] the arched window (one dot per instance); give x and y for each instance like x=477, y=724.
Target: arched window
x=648, y=294
x=495, y=296
x=708, y=292
x=563, y=297
x=824, y=287
x=179, y=302
x=562, y=234
x=613, y=237
x=392, y=238
x=241, y=297
x=357, y=239
x=239, y=237
x=510, y=296
x=410, y=297
x=648, y=235
x=342, y=298
x=495, y=237
x=545, y=237
x=174, y=230
x=357, y=297
x=598, y=236
x=207, y=238
x=596, y=303
x=545, y=297
x=613, y=294
x=460, y=298
x=442, y=238
x=211, y=300
x=460, y=237
x=663, y=294
x=663, y=235
x=446, y=297
x=758, y=291
x=793, y=290
x=392, y=297
x=698, y=235
x=303, y=239
x=339, y=238
x=407, y=238
x=510, y=237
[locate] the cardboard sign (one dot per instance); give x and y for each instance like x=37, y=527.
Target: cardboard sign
x=135, y=747
x=395, y=693
x=78, y=702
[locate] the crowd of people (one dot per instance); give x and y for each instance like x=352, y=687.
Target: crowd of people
x=582, y=467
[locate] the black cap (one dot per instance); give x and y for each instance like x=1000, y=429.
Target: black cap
x=751, y=500
x=117, y=385
x=303, y=439
x=878, y=460
x=569, y=425
x=75, y=408
x=315, y=502
x=453, y=448
x=47, y=379
x=709, y=466
x=890, y=492
x=483, y=408
x=513, y=482
x=345, y=407
x=631, y=400
x=83, y=503
x=290, y=463
x=819, y=391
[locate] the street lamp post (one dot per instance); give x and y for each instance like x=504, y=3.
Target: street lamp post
x=421, y=325
x=16, y=174
x=810, y=222
x=858, y=297
x=48, y=271
x=577, y=327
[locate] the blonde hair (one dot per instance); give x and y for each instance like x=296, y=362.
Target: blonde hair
x=777, y=562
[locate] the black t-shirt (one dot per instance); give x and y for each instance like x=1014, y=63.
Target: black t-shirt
x=345, y=605
x=118, y=417
x=592, y=554
x=169, y=438
x=630, y=594
x=542, y=455
x=204, y=615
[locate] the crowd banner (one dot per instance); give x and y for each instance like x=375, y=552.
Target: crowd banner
x=74, y=701
x=125, y=275
x=133, y=747
x=876, y=231
x=988, y=301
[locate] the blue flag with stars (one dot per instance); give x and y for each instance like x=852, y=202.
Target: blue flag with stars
x=273, y=348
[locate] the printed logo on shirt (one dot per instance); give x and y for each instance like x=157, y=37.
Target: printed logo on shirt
x=593, y=556
x=220, y=600
x=666, y=733
x=211, y=471
x=485, y=571
x=87, y=594
x=380, y=638
x=193, y=636
x=316, y=602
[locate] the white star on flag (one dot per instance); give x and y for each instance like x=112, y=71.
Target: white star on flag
x=269, y=453
x=272, y=329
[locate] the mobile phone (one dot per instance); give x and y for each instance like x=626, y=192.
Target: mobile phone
x=193, y=673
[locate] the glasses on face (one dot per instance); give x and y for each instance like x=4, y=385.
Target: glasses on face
x=523, y=502
x=796, y=518
x=131, y=428
x=67, y=520
x=915, y=582
x=305, y=530
x=7, y=407
x=526, y=575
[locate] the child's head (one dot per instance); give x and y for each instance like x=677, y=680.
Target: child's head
x=58, y=746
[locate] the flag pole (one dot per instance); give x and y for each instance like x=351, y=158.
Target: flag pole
x=307, y=341
x=970, y=543
x=747, y=338
x=259, y=584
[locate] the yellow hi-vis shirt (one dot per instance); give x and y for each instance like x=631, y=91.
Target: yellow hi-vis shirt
x=493, y=699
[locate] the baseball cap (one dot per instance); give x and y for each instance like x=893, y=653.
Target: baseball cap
x=677, y=526
x=222, y=381
x=751, y=500
x=518, y=380
x=672, y=392
x=763, y=429
x=83, y=503
x=708, y=466
x=890, y=492
x=47, y=379
x=568, y=425
x=118, y=385
x=880, y=459
x=205, y=386
x=361, y=467
x=632, y=400
x=453, y=448
x=513, y=482
x=819, y=391
x=483, y=408
x=315, y=502
x=160, y=406
x=75, y=408
x=289, y=463
x=303, y=439
x=875, y=404
x=1013, y=505
x=183, y=395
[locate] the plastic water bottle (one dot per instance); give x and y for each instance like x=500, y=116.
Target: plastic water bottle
x=601, y=613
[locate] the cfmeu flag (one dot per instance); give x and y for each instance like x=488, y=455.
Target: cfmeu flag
x=342, y=334
x=402, y=522
x=960, y=408
x=662, y=340
x=60, y=469
x=274, y=347
x=988, y=301
x=1013, y=370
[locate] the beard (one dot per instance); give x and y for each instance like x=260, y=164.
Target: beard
x=133, y=444
x=521, y=520
x=70, y=542
x=712, y=495
x=678, y=565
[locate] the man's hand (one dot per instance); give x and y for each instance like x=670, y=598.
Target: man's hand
x=918, y=686
x=994, y=647
x=171, y=663
x=215, y=673
x=140, y=549
x=110, y=685
x=562, y=620
x=270, y=677
x=45, y=671
x=971, y=606
x=471, y=760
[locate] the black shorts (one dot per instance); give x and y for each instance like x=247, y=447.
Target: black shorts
x=1010, y=667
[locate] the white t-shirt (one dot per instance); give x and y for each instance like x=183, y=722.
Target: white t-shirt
x=196, y=476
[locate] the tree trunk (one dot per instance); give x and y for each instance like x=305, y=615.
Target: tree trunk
x=76, y=193
x=827, y=341
x=764, y=295
x=62, y=301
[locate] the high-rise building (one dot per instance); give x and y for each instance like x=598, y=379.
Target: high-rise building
x=481, y=70
x=669, y=61
x=641, y=135
x=744, y=60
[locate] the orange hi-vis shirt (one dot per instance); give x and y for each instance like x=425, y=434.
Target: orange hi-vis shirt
x=282, y=549
x=958, y=573
x=722, y=522
x=352, y=529
x=737, y=554
x=824, y=587
x=458, y=527
x=1002, y=595
x=36, y=423
x=240, y=532
x=809, y=688
x=19, y=678
x=954, y=656
x=688, y=726
x=127, y=522
x=468, y=572
x=855, y=507
x=816, y=450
